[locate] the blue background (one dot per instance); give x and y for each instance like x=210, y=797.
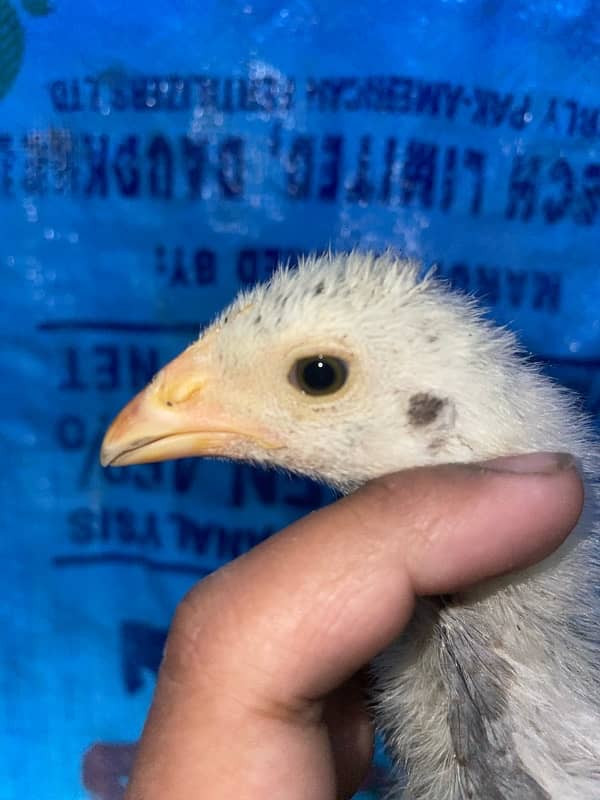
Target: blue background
x=133, y=207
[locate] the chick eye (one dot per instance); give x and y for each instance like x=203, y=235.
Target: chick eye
x=319, y=375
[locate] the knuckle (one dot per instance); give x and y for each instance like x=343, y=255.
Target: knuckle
x=191, y=636
x=384, y=495
x=415, y=503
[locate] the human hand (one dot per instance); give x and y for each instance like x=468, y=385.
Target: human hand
x=258, y=695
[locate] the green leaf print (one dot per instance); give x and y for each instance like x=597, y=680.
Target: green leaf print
x=37, y=8
x=12, y=46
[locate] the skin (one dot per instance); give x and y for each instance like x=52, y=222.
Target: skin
x=260, y=693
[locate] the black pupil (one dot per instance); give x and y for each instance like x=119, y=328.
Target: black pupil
x=318, y=375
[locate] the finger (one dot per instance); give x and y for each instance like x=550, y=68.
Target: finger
x=309, y=607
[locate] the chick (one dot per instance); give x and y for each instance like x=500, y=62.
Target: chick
x=350, y=367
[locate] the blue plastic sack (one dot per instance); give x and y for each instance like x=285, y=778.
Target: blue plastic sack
x=154, y=157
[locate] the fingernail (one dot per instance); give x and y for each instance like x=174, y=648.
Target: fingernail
x=531, y=463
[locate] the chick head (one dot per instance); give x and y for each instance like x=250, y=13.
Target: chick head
x=342, y=369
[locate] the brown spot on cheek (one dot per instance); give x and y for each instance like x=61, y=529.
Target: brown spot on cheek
x=423, y=408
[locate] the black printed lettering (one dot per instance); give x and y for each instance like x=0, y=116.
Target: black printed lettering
x=49, y=163
x=72, y=380
x=179, y=477
x=263, y=484
x=273, y=94
x=62, y=157
x=546, y=291
x=326, y=92
x=258, y=265
x=300, y=167
x=515, y=288
x=572, y=107
x=271, y=260
x=453, y=96
x=176, y=93
x=554, y=208
x=35, y=179
x=491, y=108
x=7, y=162
x=142, y=91
x=207, y=92
x=474, y=161
x=361, y=188
x=119, y=97
x=247, y=267
x=194, y=165
x=96, y=159
x=523, y=187
x=59, y=96
x=161, y=168
x=330, y=168
x=82, y=526
x=145, y=477
x=488, y=284
x=588, y=122
x=192, y=536
x=142, y=647
x=210, y=538
x=269, y=488
x=448, y=179
x=551, y=117
x=516, y=283
x=107, y=367
x=553, y=192
x=179, y=275
x=521, y=115
x=227, y=102
x=184, y=472
x=231, y=167
x=391, y=170
x=399, y=95
x=126, y=167
x=182, y=268
x=204, y=267
x=418, y=173
x=365, y=169
x=589, y=204
x=114, y=526
x=428, y=98
x=71, y=432
x=392, y=94
x=66, y=95
x=303, y=493
x=93, y=93
x=143, y=365
x=233, y=543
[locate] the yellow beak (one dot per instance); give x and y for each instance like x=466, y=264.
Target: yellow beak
x=179, y=415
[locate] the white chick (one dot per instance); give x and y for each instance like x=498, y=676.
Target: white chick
x=348, y=368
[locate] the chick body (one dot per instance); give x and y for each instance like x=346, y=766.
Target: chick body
x=492, y=694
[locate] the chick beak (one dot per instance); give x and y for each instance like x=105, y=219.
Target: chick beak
x=179, y=415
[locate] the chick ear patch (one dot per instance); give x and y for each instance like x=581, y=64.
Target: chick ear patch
x=432, y=417
x=425, y=409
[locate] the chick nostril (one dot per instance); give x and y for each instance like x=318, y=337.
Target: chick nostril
x=180, y=392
